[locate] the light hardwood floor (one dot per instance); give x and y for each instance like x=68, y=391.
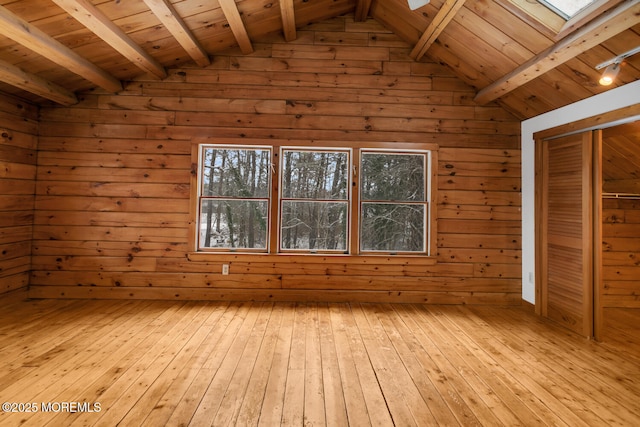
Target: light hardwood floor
x=151, y=363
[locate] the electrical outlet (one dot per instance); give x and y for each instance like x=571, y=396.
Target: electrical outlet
x=225, y=269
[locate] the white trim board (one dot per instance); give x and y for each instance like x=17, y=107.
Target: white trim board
x=614, y=99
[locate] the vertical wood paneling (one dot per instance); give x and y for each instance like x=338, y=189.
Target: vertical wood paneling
x=112, y=204
x=18, y=144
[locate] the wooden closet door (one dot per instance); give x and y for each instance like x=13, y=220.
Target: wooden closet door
x=565, y=219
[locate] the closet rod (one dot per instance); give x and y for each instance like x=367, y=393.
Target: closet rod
x=629, y=196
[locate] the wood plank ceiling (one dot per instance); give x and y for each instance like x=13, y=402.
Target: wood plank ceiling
x=52, y=49
x=621, y=159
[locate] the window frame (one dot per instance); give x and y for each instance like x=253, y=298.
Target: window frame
x=273, y=237
x=544, y=18
x=202, y=198
x=427, y=202
x=282, y=199
x=551, y=4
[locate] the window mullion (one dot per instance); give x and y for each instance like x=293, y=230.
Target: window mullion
x=354, y=220
x=274, y=214
x=431, y=202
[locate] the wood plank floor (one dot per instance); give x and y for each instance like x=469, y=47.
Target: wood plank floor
x=154, y=363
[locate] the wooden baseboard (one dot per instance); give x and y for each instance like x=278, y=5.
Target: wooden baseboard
x=288, y=295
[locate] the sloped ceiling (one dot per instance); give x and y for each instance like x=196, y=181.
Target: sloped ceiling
x=621, y=159
x=52, y=49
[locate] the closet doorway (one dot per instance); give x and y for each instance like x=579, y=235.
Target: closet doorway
x=588, y=231
x=620, y=257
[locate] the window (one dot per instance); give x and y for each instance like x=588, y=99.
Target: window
x=566, y=8
x=354, y=200
x=315, y=200
x=393, y=202
x=563, y=17
x=234, y=197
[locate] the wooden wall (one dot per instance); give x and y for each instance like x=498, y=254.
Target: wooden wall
x=620, y=261
x=621, y=228
x=18, y=143
x=112, y=203
x=621, y=270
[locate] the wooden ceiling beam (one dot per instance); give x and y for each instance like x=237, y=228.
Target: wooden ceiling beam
x=362, y=10
x=165, y=12
x=596, y=32
x=91, y=17
x=36, y=40
x=231, y=12
x=288, y=15
x=31, y=83
x=446, y=13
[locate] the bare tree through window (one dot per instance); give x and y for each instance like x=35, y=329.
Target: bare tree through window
x=393, y=202
x=235, y=197
x=346, y=200
x=315, y=200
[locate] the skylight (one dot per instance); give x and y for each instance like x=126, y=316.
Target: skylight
x=566, y=8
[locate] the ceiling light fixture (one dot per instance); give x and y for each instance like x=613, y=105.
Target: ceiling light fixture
x=609, y=74
x=613, y=66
